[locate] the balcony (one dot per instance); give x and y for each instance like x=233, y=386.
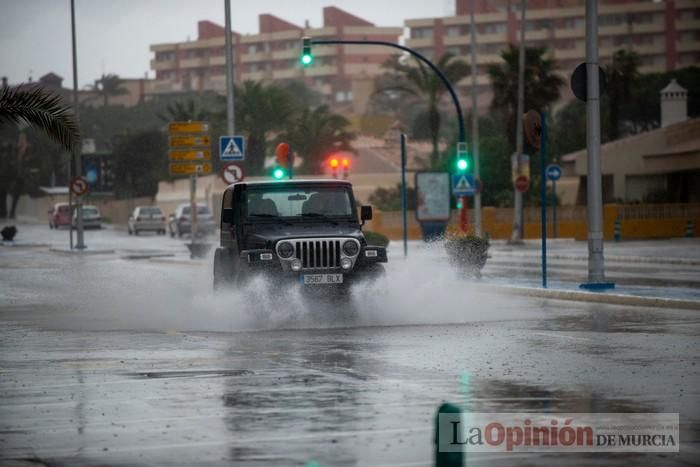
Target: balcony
x=325, y=70
x=198, y=62
x=287, y=73
x=286, y=54
x=689, y=46
x=570, y=33
x=256, y=57
x=420, y=42
x=688, y=25
x=162, y=65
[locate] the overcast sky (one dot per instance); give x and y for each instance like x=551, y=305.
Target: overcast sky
x=114, y=35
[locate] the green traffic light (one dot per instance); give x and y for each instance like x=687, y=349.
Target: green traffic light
x=462, y=164
x=278, y=174
x=306, y=59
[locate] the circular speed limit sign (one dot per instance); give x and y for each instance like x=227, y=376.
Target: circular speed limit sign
x=79, y=186
x=232, y=173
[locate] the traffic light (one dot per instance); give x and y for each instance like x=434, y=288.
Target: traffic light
x=346, y=167
x=334, y=164
x=279, y=173
x=306, y=57
x=463, y=161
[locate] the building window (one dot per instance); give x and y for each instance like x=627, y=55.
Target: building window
x=454, y=50
x=165, y=56
x=611, y=20
x=253, y=48
x=421, y=33
x=454, y=31
x=343, y=96
x=492, y=28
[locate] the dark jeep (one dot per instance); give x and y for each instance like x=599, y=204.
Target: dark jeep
x=306, y=231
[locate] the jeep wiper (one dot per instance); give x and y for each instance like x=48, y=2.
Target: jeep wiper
x=261, y=214
x=318, y=214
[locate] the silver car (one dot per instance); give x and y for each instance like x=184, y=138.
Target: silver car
x=180, y=223
x=92, y=219
x=145, y=218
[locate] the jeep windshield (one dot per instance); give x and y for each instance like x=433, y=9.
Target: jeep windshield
x=300, y=203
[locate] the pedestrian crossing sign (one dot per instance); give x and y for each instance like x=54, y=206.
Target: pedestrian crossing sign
x=463, y=185
x=231, y=148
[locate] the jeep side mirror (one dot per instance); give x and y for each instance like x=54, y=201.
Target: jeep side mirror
x=365, y=213
x=227, y=215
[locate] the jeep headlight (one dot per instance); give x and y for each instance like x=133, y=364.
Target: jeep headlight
x=350, y=248
x=346, y=263
x=285, y=250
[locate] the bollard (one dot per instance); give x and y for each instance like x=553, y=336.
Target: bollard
x=689, y=229
x=617, y=234
x=447, y=459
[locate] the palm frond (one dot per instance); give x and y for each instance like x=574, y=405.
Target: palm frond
x=43, y=110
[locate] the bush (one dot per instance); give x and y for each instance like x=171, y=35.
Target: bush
x=468, y=253
x=376, y=239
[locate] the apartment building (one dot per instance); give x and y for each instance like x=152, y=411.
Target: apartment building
x=665, y=34
x=338, y=72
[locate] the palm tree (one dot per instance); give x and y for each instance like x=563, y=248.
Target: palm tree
x=183, y=111
x=110, y=85
x=260, y=110
x=42, y=110
x=316, y=133
x=541, y=84
x=622, y=75
x=422, y=82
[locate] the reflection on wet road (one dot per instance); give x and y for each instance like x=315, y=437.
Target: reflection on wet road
x=120, y=373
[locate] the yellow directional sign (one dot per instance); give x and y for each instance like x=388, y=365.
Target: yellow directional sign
x=188, y=168
x=186, y=141
x=188, y=127
x=190, y=155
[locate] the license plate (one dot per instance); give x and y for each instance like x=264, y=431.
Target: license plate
x=310, y=279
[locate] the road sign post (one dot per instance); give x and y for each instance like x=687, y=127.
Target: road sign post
x=543, y=195
x=404, y=206
x=190, y=154
x=554, y=172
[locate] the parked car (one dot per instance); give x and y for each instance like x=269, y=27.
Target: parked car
x=92, y=219
x=180, y=223
x=59, y=215
x=145, y=218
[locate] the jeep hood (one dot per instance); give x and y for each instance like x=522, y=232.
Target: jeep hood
x=266, y=235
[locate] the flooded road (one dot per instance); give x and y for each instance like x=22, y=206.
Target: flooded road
x=111, y=361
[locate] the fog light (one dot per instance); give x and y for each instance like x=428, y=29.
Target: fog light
x=296, y=265
x=346, y=263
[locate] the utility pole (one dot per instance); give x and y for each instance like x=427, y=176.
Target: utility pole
x=75, y=158
x=517, y=234
x=596, y=269
x=230, y=127
x=475, y=124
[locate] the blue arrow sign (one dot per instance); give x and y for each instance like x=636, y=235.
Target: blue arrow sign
x=231, y=148
x=553, y=172
x=463, y=185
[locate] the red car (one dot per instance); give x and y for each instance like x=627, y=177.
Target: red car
x=59, y=215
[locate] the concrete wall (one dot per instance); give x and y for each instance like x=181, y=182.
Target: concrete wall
x=636, y=222
x=116, y=211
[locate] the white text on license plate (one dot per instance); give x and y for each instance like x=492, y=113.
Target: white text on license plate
x=322, y=279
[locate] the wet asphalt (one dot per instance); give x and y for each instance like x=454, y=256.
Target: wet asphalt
x=107, y=360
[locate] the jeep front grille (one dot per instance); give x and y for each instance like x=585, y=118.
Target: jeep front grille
x=318, y=254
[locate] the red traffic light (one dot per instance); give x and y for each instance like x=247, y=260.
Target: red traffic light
x=346, y=163
x=282, y=154
x=334, y=163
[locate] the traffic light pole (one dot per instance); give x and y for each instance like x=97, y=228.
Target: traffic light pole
x=75, y=158
x=419, y=56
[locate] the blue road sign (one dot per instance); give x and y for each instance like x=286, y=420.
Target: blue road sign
x=231, y=148
x=463, y=185
x=553, y=172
